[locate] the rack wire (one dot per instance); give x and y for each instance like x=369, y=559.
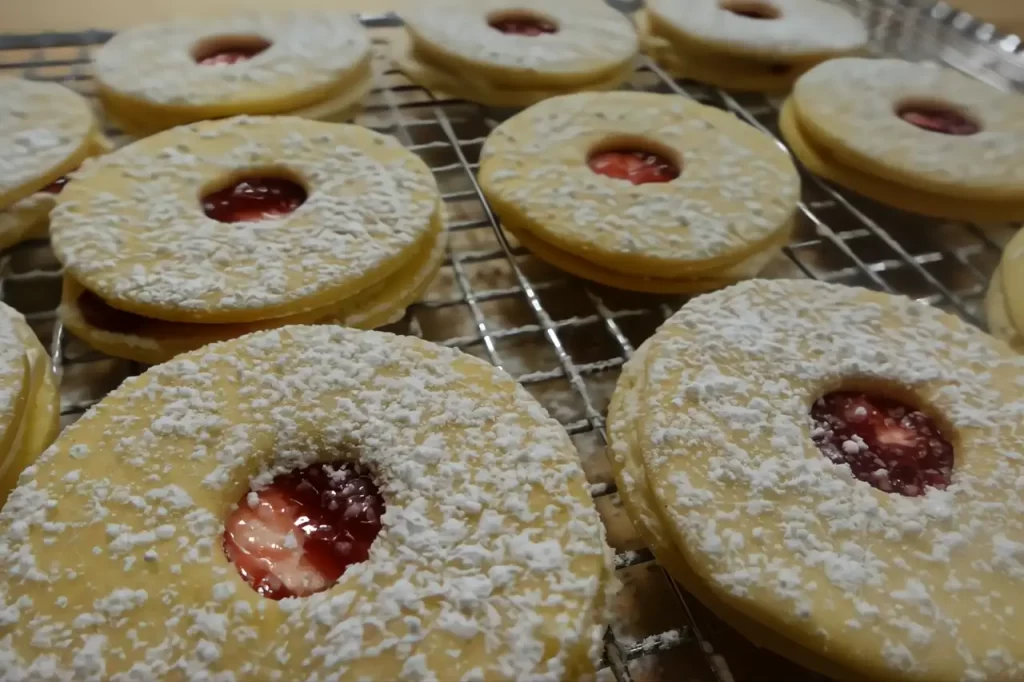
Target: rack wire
x=565, y=339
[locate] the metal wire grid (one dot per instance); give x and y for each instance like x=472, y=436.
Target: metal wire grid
x=564, y=339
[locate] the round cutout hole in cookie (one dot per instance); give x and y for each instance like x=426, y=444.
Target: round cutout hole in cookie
x=937, y=117
x=522, y=23
x=254, y=197
x=751, y=9
x=886, y=441
x=299, y=534
x=637, y=161
x=227, y=50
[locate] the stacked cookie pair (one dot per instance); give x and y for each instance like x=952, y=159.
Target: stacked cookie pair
x=755, y=45
x=835, y=472
x=918, y=137
x=307, y=503
x=310, y=64
x=513, y=54
x=641, y=191
x=46, y=131
x=212, y=230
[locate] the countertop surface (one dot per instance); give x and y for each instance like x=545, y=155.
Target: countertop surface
x=26, y=16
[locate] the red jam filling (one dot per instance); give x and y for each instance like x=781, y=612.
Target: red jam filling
x=298, y=535
x=254, y=199
x=101, y=315
x=635, y=166
x=888, y=444
x=57, y=185
x=524, y=26
x=231, y=55
x=937, y=120
x=752, y=10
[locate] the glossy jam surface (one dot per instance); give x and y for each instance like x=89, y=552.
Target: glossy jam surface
x=638, y=167
x=894, y=447
x=944, y=121
x=299, y=534
x=231, y=55
x=57, y=185
x=524, y=26
x=254, y=199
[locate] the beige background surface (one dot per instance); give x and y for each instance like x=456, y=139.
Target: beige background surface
x=18, y=16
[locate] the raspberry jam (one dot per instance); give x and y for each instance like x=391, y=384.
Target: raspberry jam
x=254, y=199
x=227, y=54
x=524, y=26
x=894, y=447
x=298, y=535
x=99, y=314
x=56, y=186
x=637, y=167
x=938, y=120
x=752, y=10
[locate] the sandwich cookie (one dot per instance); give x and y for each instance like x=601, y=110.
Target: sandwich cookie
x=300, y=63
x=311, y=502
x=513, y=54
x=641, y=191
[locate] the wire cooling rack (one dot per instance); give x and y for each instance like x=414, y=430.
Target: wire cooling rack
x=565, y=339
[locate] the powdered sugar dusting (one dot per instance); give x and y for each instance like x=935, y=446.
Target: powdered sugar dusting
x=882, y=582
x=490, y=546
x=736, y=190
x=591, y=38
x=804, y=28
x=131, y=227
x=309, y=50
x=42, y=125
x=850, y=105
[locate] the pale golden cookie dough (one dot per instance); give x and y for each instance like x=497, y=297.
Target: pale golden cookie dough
x=46, y=131
x=1011, y=278
x=29, y=400
x=998, y=317
x=29, y=218
x=583, y=268
x=823, y=162
x=802, y=30
x=150, y=74
x=736, y=194
x=849, y=107
x=131, y=227
x=491, y=563
x=453, y=49
x=152, y=341
x=880, y=585
x=635, y=494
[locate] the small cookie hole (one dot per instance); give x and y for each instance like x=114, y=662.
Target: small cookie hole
x=751, y=9
x=299, y=534
x=225, y=50
x=886, y=439
x=522, y=23
x=938, y=117
x=254, y=197
x=635, y=160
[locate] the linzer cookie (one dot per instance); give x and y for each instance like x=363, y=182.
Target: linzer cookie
x=914, y=136
x=757, y=45
x=46, y=131
x=825, y=467
x=641, y=191
x=1004, y=308
x=29, y=401
x=301, y=63
x=513, y=54
x=208, y=231
x=311, y=502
